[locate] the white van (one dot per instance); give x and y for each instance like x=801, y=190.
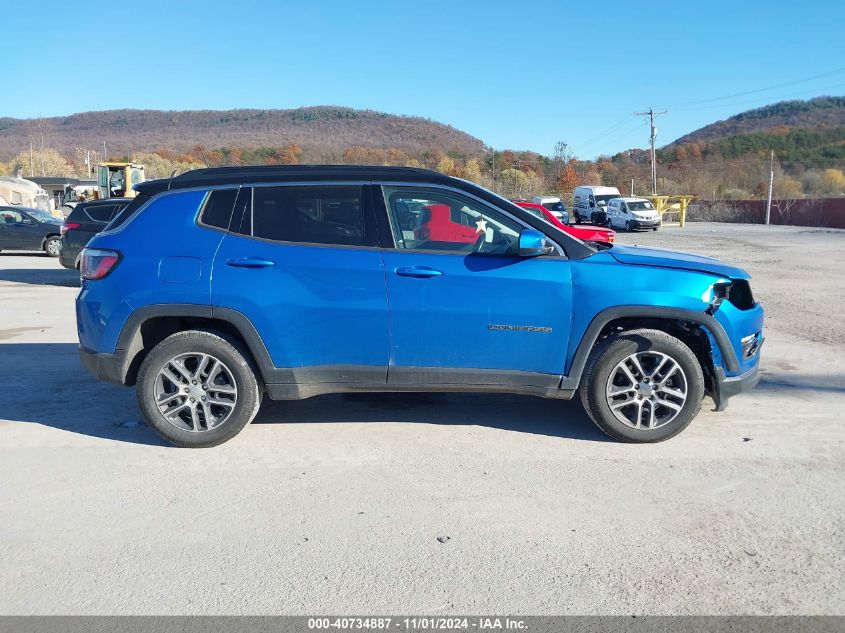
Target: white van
x=554, y=205
x=590, y=203
x=632, y=213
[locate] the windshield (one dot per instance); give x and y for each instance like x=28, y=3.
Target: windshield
x=641, y=205
x=555, y=206
x=41, y=216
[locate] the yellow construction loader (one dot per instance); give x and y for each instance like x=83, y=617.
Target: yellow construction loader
x=115, y=180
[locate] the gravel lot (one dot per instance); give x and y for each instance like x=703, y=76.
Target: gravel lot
x=433, y=504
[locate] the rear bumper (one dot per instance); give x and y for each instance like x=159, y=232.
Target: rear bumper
x=725, y=387
x=68, y=256
x=107, y=367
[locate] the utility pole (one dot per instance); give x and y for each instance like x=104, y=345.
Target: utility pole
x=651, y=114
x=105, y=154
x=771, y=184
x=632, y=187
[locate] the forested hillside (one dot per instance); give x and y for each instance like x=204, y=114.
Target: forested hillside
x=815, y=113
x=321, y=132
x=728, y=159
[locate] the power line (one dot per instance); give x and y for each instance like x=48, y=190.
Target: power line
x=604, y=132
x=621, y=133
x=758, y=90
x=766, y=100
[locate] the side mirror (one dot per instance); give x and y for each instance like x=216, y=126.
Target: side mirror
x=533, y=243
x=592, y=204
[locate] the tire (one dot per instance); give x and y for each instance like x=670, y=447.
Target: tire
x=654, y=229
x=651, y=345
x=53, y=246
x=237, y=368
x=628, y=226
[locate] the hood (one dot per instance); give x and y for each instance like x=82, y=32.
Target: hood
x=642, y=256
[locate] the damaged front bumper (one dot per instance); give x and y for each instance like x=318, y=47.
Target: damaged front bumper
x=724, y=387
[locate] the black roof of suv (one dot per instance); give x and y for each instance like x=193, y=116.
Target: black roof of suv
x=280, y=173
x=268, y=174
x=81, y=207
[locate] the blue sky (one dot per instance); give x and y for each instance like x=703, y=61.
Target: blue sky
x=517, y=75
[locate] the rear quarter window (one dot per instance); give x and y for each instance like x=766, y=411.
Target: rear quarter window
x=217, y=211
x=76, y=214
x=100, y=213
x=127, y=211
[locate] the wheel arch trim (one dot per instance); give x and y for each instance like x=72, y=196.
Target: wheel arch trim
x=603, y=318
x=129, y=342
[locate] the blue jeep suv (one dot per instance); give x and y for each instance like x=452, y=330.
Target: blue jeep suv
x=220, y=285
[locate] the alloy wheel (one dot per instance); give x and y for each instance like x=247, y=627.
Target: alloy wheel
x=646, y=390
x=195, y=392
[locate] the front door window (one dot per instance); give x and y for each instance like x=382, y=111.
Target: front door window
x=437, y=220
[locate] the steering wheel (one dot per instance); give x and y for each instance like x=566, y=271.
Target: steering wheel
x=497, y=246
x=478, y=247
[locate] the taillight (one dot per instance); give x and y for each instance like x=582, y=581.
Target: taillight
x=611, y=238
x=67, y=226
x=96, y=263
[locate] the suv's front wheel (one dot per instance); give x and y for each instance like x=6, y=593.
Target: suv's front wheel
x=642, y=386
x=198, y=389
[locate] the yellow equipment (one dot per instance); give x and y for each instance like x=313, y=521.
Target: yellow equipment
x=112, y=179
x=672, y=204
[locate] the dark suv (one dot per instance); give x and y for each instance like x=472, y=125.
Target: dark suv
x=84, y=222
x=220, y=285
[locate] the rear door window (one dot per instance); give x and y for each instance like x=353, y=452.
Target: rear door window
x=127, y=211
x=331, y=214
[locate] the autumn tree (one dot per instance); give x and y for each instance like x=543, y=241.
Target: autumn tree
x=396, y=157
x=156, y=166
x=472, y=170
x=567, y=180
x=832, y=182
x=42, y=162
x=446, y=165
x=236, y=155
x=290, y=154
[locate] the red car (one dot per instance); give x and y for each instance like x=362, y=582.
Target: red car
x=441, y=223
x=586, y=233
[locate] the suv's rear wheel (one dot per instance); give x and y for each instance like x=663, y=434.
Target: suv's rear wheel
x=642, y=386
x=198, y=389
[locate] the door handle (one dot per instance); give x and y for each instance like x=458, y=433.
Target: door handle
x=250, y=262
x=417, y=272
